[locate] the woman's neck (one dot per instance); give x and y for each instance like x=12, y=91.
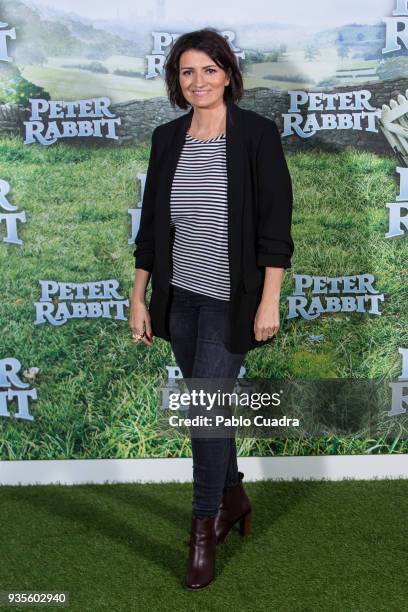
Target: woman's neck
x=208, y=123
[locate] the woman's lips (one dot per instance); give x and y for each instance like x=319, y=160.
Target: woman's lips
x=200, y=93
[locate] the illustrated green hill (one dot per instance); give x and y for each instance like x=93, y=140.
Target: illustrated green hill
x=39, y=38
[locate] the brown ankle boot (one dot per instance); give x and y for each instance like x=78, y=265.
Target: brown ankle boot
x=235, y=506
x=201, y=559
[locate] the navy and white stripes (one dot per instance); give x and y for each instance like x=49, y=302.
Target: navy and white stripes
x=199, y=218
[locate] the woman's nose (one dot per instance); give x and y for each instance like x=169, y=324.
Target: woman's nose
x=198, y=81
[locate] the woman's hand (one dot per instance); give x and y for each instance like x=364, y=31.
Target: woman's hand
x=139, y=321
x=266, y=322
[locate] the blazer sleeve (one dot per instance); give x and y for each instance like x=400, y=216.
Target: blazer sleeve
x=144, y=241
x=275, y=198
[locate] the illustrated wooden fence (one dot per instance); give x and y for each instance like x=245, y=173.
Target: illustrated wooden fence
x=394, y=125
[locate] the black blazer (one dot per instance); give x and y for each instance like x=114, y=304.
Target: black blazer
x=259, y=216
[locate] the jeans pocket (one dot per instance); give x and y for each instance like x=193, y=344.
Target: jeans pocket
x=180, y=296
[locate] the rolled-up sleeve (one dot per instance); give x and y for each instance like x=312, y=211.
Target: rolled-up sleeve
x=144, y=241
x=275, y=246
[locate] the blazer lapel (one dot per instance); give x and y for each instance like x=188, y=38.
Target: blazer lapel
x=235, y=175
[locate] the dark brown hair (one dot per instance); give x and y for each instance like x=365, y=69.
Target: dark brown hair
x=215, y=46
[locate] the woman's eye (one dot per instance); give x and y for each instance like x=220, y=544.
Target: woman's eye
x=187, y=72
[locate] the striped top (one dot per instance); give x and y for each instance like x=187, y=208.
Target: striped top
x=199, y=218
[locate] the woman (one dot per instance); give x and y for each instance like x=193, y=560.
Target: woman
x=215, y=234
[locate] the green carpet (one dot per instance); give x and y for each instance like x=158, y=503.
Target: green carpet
x=330, y=546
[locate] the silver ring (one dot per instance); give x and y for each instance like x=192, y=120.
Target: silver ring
x=138, y=336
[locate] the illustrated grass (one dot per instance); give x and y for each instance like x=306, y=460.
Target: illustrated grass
x=97, y=392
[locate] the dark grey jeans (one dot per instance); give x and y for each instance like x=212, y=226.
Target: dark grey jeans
x=199, y=328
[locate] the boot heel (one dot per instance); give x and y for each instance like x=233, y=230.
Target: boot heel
x=245, y=524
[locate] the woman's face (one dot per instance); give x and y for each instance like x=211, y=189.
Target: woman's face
x=202, y=82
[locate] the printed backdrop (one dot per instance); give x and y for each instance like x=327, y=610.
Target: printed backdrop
x=81, y=89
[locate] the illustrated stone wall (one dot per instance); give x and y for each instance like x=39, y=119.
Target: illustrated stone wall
x=140, y=117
